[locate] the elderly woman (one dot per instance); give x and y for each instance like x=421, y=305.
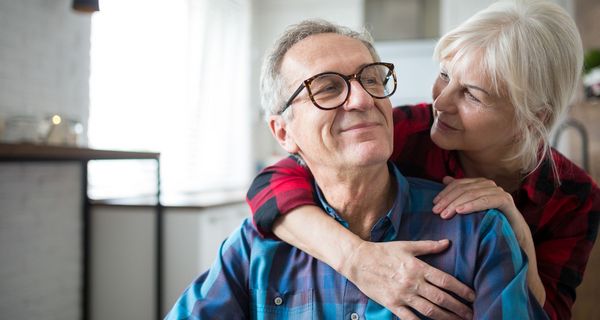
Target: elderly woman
x=506, y=77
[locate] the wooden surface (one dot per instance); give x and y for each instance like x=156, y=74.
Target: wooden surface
x=9, y=151
x=588, y=294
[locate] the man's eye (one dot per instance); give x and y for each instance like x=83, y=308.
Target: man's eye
x=327, y=89
x=370, y=81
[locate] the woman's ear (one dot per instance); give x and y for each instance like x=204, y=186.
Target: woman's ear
x=544, y=115
x=281, y=131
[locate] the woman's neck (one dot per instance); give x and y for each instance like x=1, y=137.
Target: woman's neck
x=506, y=174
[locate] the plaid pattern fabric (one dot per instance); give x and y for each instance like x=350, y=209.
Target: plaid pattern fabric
x=563, y=220
x=262, y=278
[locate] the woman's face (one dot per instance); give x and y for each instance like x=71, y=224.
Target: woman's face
x=469, y=115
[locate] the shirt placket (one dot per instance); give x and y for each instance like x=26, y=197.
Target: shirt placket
x=354, y=302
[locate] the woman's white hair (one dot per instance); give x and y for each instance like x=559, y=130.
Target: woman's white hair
x=532, y=53
x=273, y=89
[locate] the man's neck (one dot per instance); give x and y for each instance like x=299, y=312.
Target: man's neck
x=360, y=196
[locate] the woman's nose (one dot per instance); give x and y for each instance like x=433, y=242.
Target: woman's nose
x=444, y=98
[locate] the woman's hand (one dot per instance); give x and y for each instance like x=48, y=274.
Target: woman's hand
x=390, y=273
x=469, y=195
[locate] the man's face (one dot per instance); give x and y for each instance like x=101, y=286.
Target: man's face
x=359, y=133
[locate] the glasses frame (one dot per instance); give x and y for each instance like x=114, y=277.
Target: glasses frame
x=306, y=84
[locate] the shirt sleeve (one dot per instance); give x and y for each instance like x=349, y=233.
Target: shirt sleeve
x=222, y=291
x=409, y=123
x=563, y=253
x=277, y=190
x=500, y=282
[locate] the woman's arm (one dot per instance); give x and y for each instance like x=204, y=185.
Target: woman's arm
x=277, y=190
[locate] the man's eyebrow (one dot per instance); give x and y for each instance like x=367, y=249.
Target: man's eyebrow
x=356, y=70
x=364, y=65
x=474, y=87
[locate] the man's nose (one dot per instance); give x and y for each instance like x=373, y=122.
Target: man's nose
x=359, y=98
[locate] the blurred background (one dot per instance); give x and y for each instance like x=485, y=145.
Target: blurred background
x=106, y=108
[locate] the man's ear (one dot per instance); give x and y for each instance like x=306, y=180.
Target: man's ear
x=280, y=130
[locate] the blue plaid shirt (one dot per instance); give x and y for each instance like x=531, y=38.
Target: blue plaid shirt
x=256, y=278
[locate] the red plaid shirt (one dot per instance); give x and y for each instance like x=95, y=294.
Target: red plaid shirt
x=563, y=220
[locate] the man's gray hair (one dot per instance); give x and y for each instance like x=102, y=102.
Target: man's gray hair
x=273, y=90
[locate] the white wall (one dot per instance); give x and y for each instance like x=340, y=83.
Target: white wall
x=454, y=12
x=44, y=69
x=44, y=58
x=415, y=69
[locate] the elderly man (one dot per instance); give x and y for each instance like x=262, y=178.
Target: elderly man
x=326, y=99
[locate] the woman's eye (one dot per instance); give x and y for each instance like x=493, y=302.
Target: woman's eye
x=470, y=96
x=444, y=76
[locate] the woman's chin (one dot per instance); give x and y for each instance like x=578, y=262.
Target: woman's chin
x=442, y=140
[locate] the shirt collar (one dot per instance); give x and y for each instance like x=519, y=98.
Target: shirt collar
x=380, y=230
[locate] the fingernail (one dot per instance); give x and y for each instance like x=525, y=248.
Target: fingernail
x=436, y=208
x=436, y=199
x=471, y=297
x=445, y=213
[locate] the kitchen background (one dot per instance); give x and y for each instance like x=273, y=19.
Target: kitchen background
x=180, y=78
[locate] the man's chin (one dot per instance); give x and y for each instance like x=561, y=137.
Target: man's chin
x=370, y=155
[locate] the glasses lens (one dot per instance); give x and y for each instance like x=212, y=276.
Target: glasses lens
x=378, y=80
x=329, y=90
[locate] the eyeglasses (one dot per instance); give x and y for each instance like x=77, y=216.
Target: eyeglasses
x=330, y=90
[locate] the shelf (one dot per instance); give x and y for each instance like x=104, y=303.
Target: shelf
x=28, y=151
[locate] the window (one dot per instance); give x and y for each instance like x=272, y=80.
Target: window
x=173, y=77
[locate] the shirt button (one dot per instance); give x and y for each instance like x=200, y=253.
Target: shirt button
x=354, y=316
x=278, y=301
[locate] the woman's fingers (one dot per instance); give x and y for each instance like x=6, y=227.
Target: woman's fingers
x=461, y=191
x=403, y=312
x=443, y=280
x=483, y=202
x=391, y=274
x=430, y=310
x=477, y=199
x=441, y=298
x=423, y=247
x=460, y=185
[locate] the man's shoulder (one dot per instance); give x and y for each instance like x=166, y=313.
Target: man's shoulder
x=424, y=184
x=248, y=236
x=245, y=235
x=423, y=191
